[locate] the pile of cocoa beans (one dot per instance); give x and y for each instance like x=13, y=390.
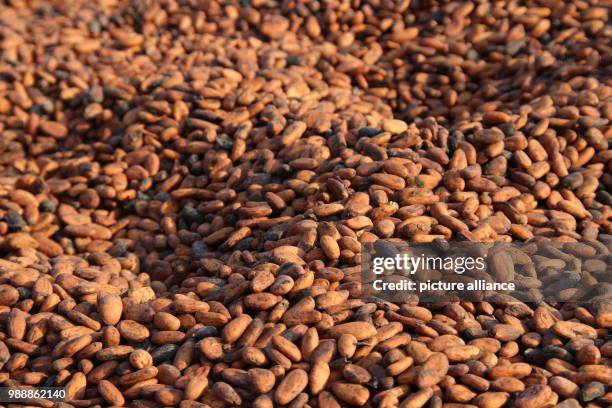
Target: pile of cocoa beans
x=186, y=187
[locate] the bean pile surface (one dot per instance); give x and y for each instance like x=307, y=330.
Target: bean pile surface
x=186, y=187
